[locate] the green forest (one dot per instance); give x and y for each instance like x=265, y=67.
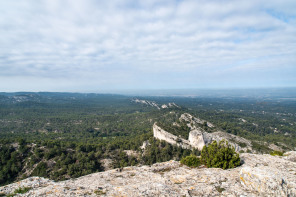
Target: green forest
x=67, y=135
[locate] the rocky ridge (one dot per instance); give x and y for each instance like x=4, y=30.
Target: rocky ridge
x=198, y=137
x=192, y=121
x=154, y=104
x=259, y=175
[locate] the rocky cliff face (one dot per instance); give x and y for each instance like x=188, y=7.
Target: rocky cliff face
x=232, y=139
x=161, y=134
x=259, y=175
x=198, y=138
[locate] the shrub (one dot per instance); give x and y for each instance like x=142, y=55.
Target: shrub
x=220, y=155
x=278, y=153
x=191, y=161
x=99, y=192
x=19, y=191
x=220, y=189
x=241, y=144
x=40, y=170
x=22, y=190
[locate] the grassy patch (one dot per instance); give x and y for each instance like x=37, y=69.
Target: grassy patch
x=220, y=189
x=276, y=153
x=20, y=190
x=99, y=192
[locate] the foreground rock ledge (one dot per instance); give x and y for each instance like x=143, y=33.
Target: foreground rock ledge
x=260, y=175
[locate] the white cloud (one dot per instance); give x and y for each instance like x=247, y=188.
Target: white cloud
x=57, y=39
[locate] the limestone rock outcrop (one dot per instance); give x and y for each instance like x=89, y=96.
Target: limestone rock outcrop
x=198, y=138
x=191, y=119
x=232, y=139
x=156, y=105
x=291, y=156
x=161, y=134
x=259, y=175
x=145, y=145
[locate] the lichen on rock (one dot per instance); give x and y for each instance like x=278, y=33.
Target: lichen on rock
x=259, y=175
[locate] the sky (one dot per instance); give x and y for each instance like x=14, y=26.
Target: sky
x=99, y=46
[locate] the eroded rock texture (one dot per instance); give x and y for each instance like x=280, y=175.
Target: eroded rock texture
x=259, y=175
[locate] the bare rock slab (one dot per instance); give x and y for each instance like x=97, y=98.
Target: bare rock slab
x=259, y=175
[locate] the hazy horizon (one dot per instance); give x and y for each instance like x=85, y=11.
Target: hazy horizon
x=287, y=92
x=93, y=46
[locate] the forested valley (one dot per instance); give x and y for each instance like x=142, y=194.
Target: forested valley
x=67, y=135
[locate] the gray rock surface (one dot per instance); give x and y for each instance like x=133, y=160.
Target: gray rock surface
x=191, y=119
x=259, y=175
x=198, y=138
x=291, y=156
x=232, y=139
x=161, y=134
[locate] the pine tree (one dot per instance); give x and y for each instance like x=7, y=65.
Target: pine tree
x=220, y=155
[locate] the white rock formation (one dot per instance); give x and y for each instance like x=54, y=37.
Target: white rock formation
x=191, y=119
x=232, y=139
x=291, y=156
x=198, y=138
x=173, y=105
x=243, y=120
x=149, y=103
x=145, y=145
x=154, y=104
x=259, y=175
x=164, y=106
x=275, y=147
x=161, y=134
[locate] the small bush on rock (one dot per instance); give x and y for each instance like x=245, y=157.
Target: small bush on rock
x=278, y=153
x=191, y=161
x=22, y=190
x=19, y=191
x=220, y=155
